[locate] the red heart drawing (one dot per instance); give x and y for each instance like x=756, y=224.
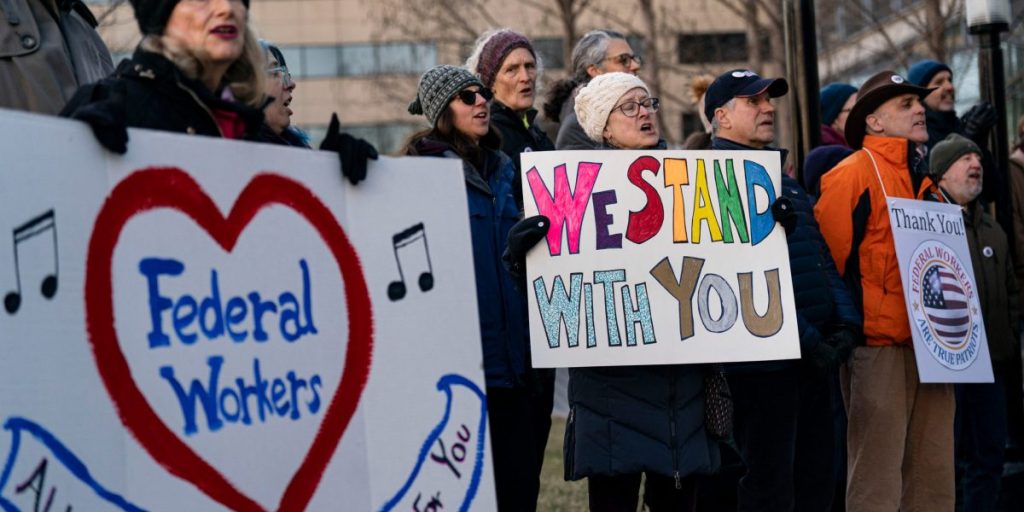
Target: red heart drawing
x=172, y=188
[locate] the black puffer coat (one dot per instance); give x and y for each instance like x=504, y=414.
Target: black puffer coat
x=149, y=91
x=518, y=137
x=823, y=304
x=632, y=419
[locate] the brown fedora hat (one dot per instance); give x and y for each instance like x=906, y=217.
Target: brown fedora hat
x=877, y=90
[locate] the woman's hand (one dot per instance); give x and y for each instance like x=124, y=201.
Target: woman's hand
x=108, y=124
x=352, y=152
x=521, y=238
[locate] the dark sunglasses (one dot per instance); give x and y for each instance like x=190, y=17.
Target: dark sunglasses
x=624, y=58
x=469, y=97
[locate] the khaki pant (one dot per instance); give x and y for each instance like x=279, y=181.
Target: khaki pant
x=900, y=438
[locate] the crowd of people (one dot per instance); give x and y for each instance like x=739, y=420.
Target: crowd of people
x=848, y=426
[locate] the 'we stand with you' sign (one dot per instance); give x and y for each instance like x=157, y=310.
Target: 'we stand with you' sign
x=208, y=325
x=658, y=257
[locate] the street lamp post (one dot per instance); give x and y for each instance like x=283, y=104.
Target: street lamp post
x=988, y=19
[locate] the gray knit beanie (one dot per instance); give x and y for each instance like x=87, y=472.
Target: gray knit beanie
x=947, y=152
x=437, y=88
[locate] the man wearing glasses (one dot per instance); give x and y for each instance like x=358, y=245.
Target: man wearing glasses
x=782, y=409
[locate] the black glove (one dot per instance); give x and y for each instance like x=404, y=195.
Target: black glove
x=824, y=357
x=978, y=122
x=353, y=152
x=783, y=213
x=108, y=125
x=843, y=341
x=521, y=238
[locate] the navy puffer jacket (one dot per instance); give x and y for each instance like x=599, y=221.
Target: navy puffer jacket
x=632, y=419
x=492, y=212
x=823, y=304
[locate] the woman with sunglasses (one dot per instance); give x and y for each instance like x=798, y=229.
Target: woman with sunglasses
x=597, y=52
x=455, y=103
x=625, y=421
x=277, y=122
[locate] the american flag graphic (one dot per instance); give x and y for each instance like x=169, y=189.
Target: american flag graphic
x=946, y=305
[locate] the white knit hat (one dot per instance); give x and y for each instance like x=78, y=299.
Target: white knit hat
x=595, y=100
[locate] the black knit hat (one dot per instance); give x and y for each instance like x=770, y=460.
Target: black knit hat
x=152, y=15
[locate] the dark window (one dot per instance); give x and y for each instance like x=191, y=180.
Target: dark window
x=712, y=48
x=550, y=51
x=691, y=123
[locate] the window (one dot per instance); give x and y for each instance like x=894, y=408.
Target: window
x=361, y=59
x=691, y=123
x=387, y=137
x=713, y=47
x=551, y=52
x=319, y=61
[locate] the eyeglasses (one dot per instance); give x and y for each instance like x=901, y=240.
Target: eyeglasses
x=281, y=72
x=624, y=58
x=469, y=97
x=632, y=108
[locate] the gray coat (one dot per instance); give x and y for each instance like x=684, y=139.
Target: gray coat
x=570, y=133
x=48, y=48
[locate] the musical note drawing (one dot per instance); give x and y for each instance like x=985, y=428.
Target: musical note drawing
x=396, y=290
x=37, y=226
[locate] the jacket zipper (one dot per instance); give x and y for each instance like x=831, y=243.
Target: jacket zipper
x=672, y=431
x=201, y=105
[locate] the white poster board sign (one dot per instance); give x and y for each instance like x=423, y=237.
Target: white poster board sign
x=939, y=288
x=657, y=257
x=214, y=325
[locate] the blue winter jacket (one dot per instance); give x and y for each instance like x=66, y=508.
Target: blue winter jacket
x=504, y=331
x=823, y=304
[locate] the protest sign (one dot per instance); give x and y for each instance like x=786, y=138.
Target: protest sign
x=205, y=325
x=940, y=291
x=658, y=257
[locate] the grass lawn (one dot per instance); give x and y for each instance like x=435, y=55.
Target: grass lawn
x=555, y=493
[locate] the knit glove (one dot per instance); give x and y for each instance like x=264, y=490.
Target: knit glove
x=783, y=213
x=978, y=122
x=352, y=152
x=108, y=124
x=521, y=238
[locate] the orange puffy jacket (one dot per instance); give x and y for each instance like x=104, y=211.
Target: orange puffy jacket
x=855, y=223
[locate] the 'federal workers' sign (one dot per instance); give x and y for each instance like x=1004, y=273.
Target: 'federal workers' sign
x=658, y=257
x=940, y=292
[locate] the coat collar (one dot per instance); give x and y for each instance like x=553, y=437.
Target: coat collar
x=726, y=144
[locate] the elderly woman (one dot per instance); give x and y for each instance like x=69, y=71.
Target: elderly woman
x=277, y=123
x=596, y=53
x=455, y=102
x=199, y=70
x=625, y=421
x=506, y=63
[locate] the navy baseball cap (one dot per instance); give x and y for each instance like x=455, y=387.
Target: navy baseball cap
x=740, y=83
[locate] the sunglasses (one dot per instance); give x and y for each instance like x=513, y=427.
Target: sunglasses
x=469, y=97
x=624, y=58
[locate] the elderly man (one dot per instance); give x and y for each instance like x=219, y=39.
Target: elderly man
x=900, y=438
x=507, y=64
x=782, y=409
x=981, y=409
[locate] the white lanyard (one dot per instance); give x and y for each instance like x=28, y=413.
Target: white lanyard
x=877, y=173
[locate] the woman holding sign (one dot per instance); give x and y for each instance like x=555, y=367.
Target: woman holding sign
x=199, y=70
x=626, y=421
x=456, y=104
